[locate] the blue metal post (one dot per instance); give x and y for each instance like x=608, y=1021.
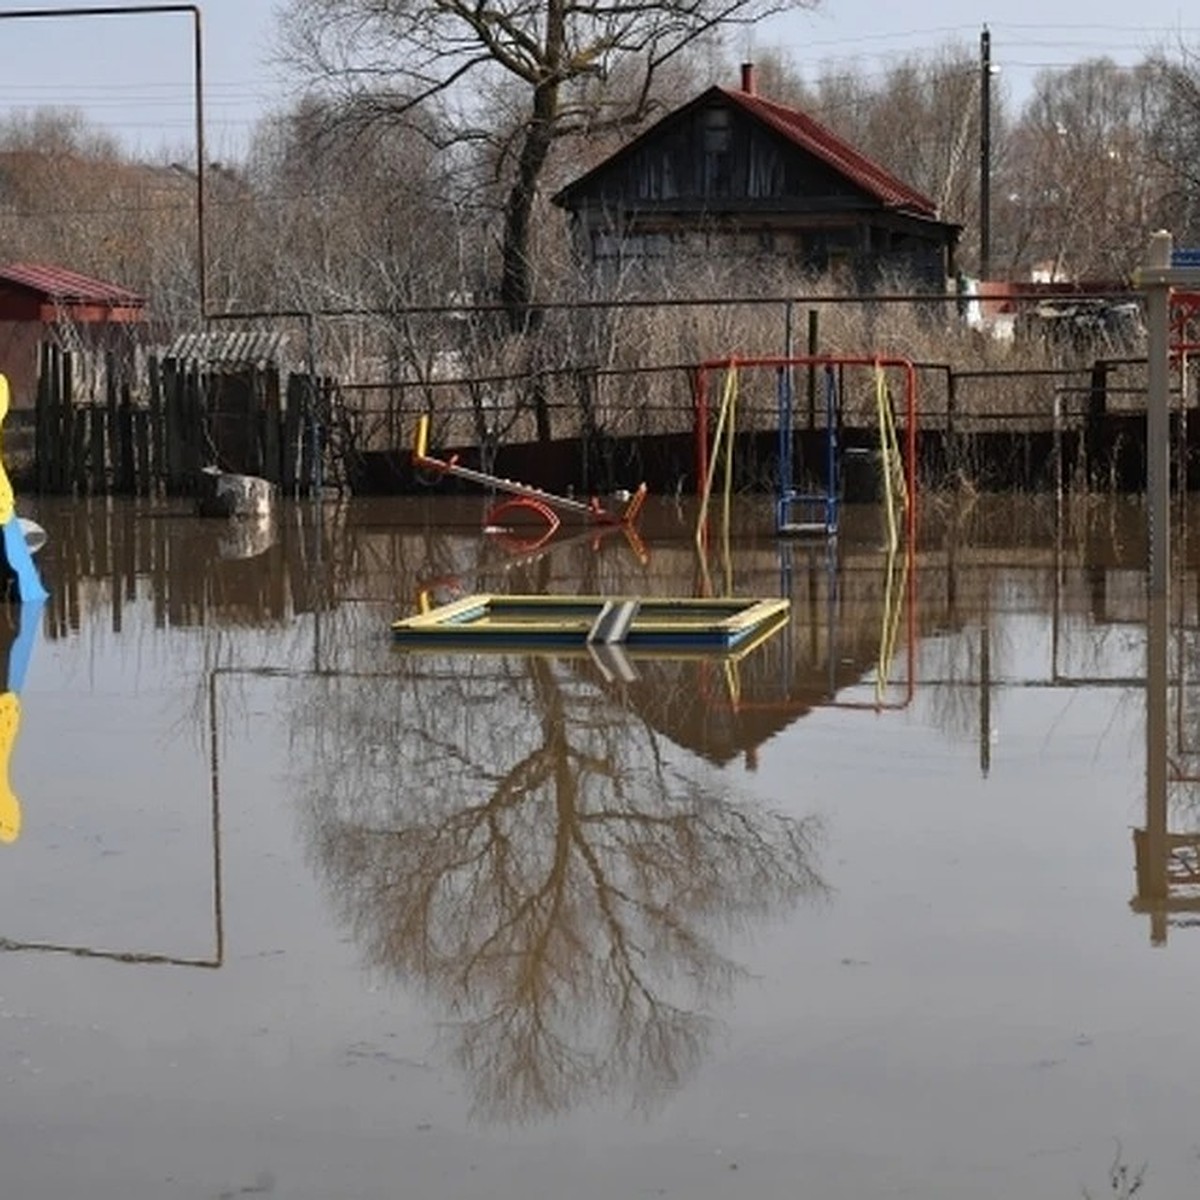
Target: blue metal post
x=786, y=446
x=831, y=444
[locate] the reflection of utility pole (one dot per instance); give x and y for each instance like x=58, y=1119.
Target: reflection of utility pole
x=1151, y=844
x=985, y=154
x=140, y=958
x=985, y=683
x=1162, y=858
x=214, y=772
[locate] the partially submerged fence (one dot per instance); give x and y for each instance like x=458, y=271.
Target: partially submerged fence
x=152, y=435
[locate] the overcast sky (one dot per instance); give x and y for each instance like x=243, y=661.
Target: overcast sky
x=133, y=74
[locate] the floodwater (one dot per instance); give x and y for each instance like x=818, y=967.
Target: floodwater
x=878, y=910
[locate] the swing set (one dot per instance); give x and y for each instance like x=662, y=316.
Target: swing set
x=816, y=510
x=811, y=510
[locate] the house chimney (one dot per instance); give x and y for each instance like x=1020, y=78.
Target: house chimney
x=749, y=83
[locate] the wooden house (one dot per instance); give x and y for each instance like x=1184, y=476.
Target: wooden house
x=735, y=176
x=40, y=302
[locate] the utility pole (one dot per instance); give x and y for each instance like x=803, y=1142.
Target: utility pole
x=985, y=154
x=134, y=10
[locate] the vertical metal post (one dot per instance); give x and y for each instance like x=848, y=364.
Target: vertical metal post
x=1151, y=847
x=317, y=482
x=133, y=10
x=1156, y=278
x=985, y=681
x=985, y=154
x=814, y=342
x=1058, y=453
x=1158, y=289
x=201, y=167
x=700, y=426
x=786, y=438
x=831, y=453
x=786, y=385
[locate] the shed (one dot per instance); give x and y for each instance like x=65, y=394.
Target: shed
x=40, y=302
x=732, y=174
x=242, y=375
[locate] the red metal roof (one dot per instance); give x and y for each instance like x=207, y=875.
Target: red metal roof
x=805, y=134
x=64, y=286
x=802, y=131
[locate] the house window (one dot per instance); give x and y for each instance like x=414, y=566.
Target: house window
x=766, y=171
x=655, y=178
x=717, y=144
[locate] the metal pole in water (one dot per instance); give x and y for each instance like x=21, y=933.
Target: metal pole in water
x=1152, y=847
x=1157, y=285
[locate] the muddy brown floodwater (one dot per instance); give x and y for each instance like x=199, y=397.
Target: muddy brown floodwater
x=883, y=908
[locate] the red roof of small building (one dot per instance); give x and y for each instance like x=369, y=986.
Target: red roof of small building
x=802, y=131
x=64, y=286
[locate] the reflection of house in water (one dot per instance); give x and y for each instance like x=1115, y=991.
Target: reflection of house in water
x=848, y=621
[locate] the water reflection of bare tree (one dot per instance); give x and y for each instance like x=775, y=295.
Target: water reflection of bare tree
x=552, y=873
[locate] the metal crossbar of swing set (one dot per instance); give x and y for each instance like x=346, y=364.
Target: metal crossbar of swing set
x=905, y=366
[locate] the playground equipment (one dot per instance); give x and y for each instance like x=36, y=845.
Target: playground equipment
x=20, y=537
x=684, y=624
x=19, y=638
x=812, y=511
x=23, y=581
x=817, y=511
x=543, y=504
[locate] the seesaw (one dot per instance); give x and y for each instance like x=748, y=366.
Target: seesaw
x=544, y=504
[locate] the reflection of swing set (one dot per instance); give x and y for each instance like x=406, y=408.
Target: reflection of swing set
x=815, y=511
x=524, y=497
x=898, y=609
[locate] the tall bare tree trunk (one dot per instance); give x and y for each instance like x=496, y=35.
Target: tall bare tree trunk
x=516, y=284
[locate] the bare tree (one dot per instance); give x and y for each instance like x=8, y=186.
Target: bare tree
x=1079, y=189
x=390, y=59
x=1174, y=143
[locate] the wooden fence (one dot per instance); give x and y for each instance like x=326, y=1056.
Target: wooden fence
x=152, y=436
